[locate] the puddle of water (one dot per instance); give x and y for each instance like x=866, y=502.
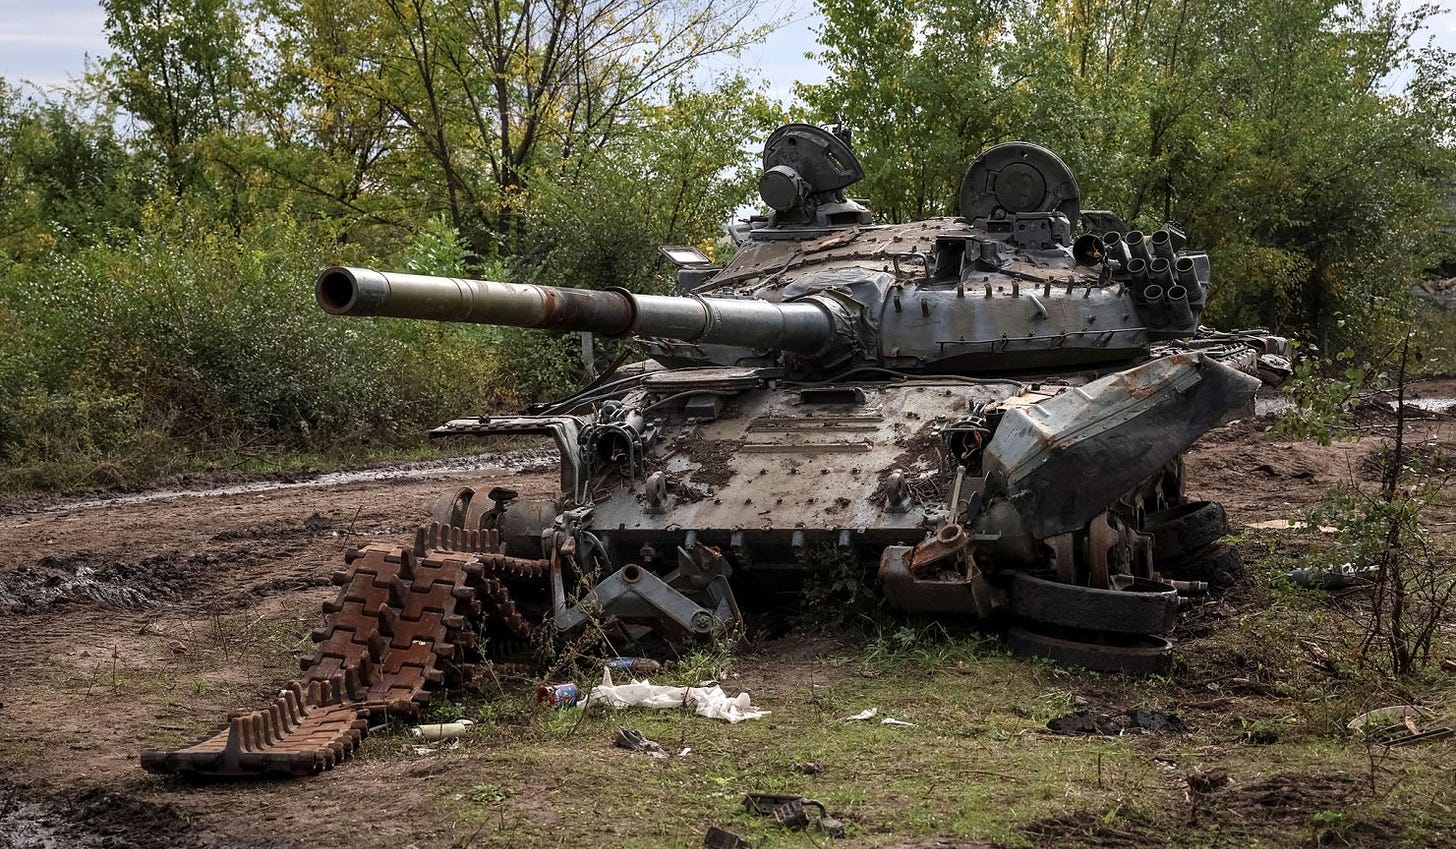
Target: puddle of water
x=509, y=462
x=1430, y=405
x=95, y=819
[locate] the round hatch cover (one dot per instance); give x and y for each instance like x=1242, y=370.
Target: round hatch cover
x=1019, y=177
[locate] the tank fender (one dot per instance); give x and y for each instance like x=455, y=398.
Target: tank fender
x=1066, y=459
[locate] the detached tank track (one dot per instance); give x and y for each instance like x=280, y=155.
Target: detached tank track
x=403, y=626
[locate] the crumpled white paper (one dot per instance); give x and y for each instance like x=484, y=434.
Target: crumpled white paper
x=711, y=702
x=870, y=713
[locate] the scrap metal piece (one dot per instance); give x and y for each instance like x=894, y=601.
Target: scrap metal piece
x=792, y=812
x=635, y=741
x=304, y=731
x=781, y=806
x=719, y=838
x=565, y=431
x=792, y=815
x=634, y=594
x=912, y=582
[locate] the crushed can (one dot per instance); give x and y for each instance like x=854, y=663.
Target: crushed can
x=635, y=666
x=558, y=695
x=434, y=731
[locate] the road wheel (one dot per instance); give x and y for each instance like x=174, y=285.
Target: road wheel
x=1220, y=565
x=1147, y=607
x=1180, y=531
x=1135, y=655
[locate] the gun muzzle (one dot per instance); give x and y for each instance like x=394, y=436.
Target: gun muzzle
x=1138, y=268
x=1160, y=271
x=1116, y=247
x=1183, y=272
x=1137, y=244
x=1163, y=245
x=1156, y=310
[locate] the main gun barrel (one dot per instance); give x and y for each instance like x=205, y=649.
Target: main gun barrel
x=805, y=327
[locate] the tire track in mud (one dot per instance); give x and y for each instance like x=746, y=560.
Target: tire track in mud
x=87, y=579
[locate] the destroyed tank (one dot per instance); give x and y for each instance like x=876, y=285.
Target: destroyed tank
x=989, y=410
x=982, y=415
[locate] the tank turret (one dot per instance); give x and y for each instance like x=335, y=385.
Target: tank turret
x=1009, y=285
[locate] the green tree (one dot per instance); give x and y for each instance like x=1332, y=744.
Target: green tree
x=1267, y=128
x=918, y=82
x=462, y=105
x=676, y=178
x=321, y=138
x=181, y=68
x=66, y=178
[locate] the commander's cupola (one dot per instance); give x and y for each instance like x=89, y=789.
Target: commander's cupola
x=805, y=172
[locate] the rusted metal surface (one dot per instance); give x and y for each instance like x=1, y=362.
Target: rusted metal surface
x=806, y=326
x=403, y=626
x=305, y=730
x=361, y=291
x=1064, y=460
x=940, y=575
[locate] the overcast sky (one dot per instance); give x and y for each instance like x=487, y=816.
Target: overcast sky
x=46, y=42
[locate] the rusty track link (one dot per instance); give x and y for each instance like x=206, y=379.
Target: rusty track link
x=304, y=731
x=403, y=624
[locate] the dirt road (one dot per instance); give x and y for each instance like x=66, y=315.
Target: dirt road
x=144, y=621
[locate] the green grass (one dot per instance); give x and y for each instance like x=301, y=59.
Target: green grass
x=977, y=766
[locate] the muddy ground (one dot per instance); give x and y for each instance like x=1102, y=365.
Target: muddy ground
x=141, y=621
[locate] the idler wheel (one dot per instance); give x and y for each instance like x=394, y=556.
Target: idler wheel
x=1135, y=655
x=450, y=508
x=1146, y=607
